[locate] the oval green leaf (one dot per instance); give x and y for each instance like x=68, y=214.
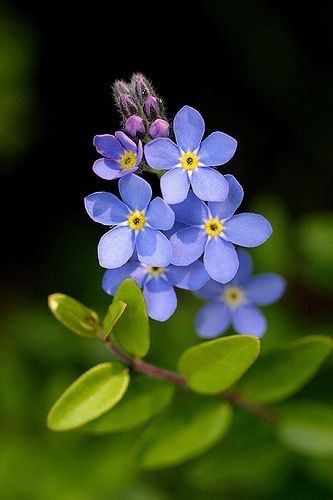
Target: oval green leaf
x=215, y=365
x=74, y=315
x=307, y=427
x=115, y=310
x=132, y=329
x=280, y=373
x=91, y=395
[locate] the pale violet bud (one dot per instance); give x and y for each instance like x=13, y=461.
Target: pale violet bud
x=127, y=105
x=141, y=86
x=159, y=128
x=120, y=87
x=134, y=125
x=152, y=106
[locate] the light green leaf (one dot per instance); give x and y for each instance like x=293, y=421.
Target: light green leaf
x=307, y=427
x=132, y=329
x=280, y=373
x=213, y=366
x=183, y=433
x=91, y=395
x=115, y=310
x=75, y=316
x=144, y=399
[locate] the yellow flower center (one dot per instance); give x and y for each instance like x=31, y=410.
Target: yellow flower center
x=136, y=220
x=155, y=271
x=233, y=295
x=189, y=161
x=213, y=227
x=127, y=160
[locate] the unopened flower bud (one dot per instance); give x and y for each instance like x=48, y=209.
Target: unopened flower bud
x=141, y=86
x=159, y=128
x=120, y=87
x=127, y=105
x=152, y=106
x=134, y=125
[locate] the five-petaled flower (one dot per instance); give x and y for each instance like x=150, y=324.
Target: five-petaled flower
x=189, y=161
x=122, y=155
x=137, y=222
x=213, y=230
x=157, y=284
x=237, y=301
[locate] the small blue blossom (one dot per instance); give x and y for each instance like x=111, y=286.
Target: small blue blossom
x=157, y=284
x=137, y=222
x=237, y=302
x=189, y=161
x=122, y=155
x=213, y=230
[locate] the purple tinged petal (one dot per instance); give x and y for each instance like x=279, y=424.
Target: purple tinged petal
x=126, y=142
x=265, y=289
x=191, y=277
x=159, y=215
x=109, y=146
x=139, y=154
x=225, y=209
x=189, y=128
x=212, y=320
x=107, y=169
x=217, y=149
x=114, y=277
x=153, y=248
x=187, y=246
x=134, y=125
x=161, y=299
x=211, y=291
x=162, y=153
x=245, y=267
x=135, y=192
x=221, y=260
x=209, y=185
x=116, y=247
x=175, y=185
x=248, y=320
x=159, y=128
x=191, y=211
x=105, y=208
x=247, y=230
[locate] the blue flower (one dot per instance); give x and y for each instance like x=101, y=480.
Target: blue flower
x=236, y=302
x=137, y=223
x=214, y=230
x=189, y=161
x=157, y=284
x=122, y=155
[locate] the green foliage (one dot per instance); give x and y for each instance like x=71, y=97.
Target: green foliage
x=213, y=366
x=91, y=395
x=115, y=310
x=144, y=399
x=132, y=329
x=307, y=427
x=280, y=373
x=183, y=433
x=74, y=315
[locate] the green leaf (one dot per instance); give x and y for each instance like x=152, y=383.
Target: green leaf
x=215, y=365
x=307, y=427
x=91, y=395
x=132, y=329
x=74, y=315
x=183, y=433
x=280, y=373
x=144, y=400
x=115, y=310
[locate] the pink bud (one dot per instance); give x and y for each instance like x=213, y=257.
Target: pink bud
x=134, y=124
x=159, y=128
x=152, y=106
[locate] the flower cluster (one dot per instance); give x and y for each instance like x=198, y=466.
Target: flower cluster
x=190, y=237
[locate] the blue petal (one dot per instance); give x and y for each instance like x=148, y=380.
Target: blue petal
x=108, y=169
x=212, y=290
x=126, y=142
x=245, y=267
x=140, y=274
x=105, y=208
x=139, y=154
x=209, y=185
x=114, y=277
x=135, y=192
x=225, y=209
x=187, y=245
x=176, y=227
x=217, y=149
x=162, y=154
x=221, y=260
x=248, y=320
x=175, y=185
x=265, y=289
x=189, y=128
x=247, y=230
x=191, y=211
x=212, y=320
x=159, y=215
x=107, y=145
x=153, y=248
x=116, y=247
x=190, y=277
x=160, y=298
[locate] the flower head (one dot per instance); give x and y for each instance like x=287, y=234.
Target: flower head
x=237, y=301
x=137, y=223
x=121, y=155
x=189, y=161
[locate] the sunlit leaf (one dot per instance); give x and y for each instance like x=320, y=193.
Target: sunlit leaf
x=115, y=310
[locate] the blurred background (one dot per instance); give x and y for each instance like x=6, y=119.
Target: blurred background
x=257, y=70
